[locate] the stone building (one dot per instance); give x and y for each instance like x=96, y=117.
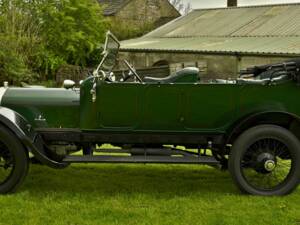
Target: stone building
x=139, y=13
x=220, y=41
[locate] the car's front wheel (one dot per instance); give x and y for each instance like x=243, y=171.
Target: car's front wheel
x=13, y=161
x=265, y=160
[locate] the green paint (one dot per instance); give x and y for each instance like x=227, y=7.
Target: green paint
x=59, y=107
x=181, y=107
x=151, y=107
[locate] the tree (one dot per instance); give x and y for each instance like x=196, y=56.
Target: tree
x=72, y=29
x=181, y=6
x=42, y=35
x=18, y=40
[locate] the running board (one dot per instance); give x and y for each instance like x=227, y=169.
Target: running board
x=142, y=159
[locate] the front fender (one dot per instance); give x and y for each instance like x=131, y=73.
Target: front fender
x=25, y=133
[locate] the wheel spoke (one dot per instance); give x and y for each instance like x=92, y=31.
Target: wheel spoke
x=266, y=164
x=6, y=165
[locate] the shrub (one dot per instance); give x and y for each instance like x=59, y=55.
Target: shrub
x=13, y=66
x=38, y=37
x=72, y=29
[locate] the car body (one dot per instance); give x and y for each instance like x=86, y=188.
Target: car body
x=148, y=119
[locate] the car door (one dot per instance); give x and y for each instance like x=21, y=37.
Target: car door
x=188, y=107
x=209, y=106
x=122, y=106
x=162, y=107
x=118, y=105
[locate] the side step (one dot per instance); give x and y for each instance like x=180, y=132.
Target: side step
x=143, y=159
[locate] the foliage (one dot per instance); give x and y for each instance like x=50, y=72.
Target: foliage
x=13, y=66
x=48, y=83
x=72, y=29
x=18, y=41
x=140, y=195
x=38, y=36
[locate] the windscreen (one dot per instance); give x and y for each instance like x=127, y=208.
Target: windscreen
x=111, y=49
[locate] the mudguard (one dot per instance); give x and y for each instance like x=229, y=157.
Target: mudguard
x=26, y=134
x=244, y=123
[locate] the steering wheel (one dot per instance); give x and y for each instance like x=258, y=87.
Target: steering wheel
x=132, y=70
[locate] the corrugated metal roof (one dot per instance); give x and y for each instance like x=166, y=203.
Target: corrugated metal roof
x=272, y=29
x=275, y=20
x=251, y=45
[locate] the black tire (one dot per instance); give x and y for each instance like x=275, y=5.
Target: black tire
x=271, y=154
x=14, y=158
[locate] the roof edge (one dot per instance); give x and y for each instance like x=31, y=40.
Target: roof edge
x=163, y=26
x=235, y=53
x=174, y=8
x=249, y=6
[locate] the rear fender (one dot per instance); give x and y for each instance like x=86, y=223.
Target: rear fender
x=280, y=118
x=26, y=134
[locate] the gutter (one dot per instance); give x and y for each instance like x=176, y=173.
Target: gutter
x=231, y=53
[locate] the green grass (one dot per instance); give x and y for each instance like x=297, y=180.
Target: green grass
x=140, y=194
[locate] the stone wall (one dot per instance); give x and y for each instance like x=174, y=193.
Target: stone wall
x=141, y=13
x=211, y=66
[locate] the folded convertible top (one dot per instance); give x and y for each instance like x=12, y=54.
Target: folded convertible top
x=290, y=68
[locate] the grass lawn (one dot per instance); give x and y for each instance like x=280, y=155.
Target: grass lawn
x=140, y=194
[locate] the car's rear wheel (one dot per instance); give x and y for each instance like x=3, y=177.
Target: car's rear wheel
x=13, y=161
x=265, y=160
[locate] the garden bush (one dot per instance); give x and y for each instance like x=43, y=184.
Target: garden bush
x=38, y=37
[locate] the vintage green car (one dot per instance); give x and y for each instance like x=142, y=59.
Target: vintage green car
x=250, y=125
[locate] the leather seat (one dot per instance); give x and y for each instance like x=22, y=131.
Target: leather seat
x=186, y=75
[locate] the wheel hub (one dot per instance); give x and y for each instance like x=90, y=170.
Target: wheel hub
x=270, y=165
x=266, y=162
